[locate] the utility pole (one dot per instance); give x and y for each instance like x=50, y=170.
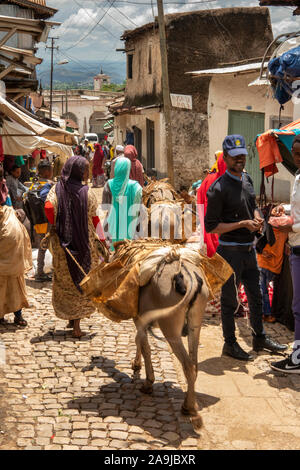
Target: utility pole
x=51, y=76
x=67, y=110
x=166, y=89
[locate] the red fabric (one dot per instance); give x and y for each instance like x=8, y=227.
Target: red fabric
x=99, y=229
x=210, y=239
x=1, y=151
x=98, y=161
x=136, y=172
x=35, y=153
x=43, y=154
x=49, y=211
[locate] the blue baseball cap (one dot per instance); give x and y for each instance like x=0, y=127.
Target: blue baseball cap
x=235, y=145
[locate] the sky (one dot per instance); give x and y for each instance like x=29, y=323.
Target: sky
x=90, y=29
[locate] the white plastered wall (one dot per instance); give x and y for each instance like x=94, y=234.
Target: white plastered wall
x=233, y=93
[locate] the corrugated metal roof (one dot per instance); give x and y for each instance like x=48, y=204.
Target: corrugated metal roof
x=289, y=3
x=227, y=70
x=282, y=3
x=38, y=5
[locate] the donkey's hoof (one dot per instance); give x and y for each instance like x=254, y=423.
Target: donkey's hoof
x=185, y=411
x=135, y=366
x=197, y=421
x=147, y=388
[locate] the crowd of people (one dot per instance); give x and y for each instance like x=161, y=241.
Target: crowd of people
x=62, y=216
x=64, y=213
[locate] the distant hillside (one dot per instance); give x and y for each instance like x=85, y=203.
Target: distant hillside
x=74, y=74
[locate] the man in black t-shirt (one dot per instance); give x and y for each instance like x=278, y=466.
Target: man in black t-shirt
x=232, y=213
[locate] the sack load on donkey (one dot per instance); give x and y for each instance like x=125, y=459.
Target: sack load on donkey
x=114, y=287
x=155, y=281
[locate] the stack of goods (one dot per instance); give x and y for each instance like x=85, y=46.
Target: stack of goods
x=114, y=287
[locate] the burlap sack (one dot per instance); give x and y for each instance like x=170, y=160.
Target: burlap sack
x=114, y=287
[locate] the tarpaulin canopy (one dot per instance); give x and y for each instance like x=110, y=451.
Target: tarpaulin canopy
x=274, y=146
x=51, y=133
x=17, y=140
x=285, y=73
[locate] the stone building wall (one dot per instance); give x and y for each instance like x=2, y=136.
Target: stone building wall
x=190, y=146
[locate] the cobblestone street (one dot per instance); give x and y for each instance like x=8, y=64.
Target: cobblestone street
x=61, y=393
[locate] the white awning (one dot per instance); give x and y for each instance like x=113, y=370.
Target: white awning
x=17, y=140
x=36, y=127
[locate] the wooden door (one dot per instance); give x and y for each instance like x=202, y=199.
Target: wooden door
x=249, y=124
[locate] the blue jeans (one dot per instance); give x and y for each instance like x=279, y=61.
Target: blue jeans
x=266, y=277
x=246, y=271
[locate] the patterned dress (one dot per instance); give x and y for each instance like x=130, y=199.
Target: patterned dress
x=68, y=302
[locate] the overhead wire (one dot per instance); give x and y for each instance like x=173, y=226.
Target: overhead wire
x=98, y=24
x=90, y=31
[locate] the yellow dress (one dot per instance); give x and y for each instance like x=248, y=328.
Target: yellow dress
x=15, y=260
x=68, y=302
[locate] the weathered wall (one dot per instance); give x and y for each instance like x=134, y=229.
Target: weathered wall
x=126, y=121
x=196, y=40
x=144, y=88
x=233, y=93
x=205, y=39
x=190, y=146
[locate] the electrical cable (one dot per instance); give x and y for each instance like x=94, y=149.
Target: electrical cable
x=91, y=30
x=98, y=24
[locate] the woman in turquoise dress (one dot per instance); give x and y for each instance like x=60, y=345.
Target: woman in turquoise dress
x=123, y=196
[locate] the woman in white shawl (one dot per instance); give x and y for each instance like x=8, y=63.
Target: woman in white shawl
x=15, y=260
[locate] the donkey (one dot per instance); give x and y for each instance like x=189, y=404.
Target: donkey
x=176, y=292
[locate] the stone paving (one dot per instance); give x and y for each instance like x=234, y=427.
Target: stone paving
x=61, y=393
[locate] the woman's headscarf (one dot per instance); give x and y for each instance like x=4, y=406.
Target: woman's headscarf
x=126, y=193
x=98, y=161
x=210, y=239
x=119, y=183
x=136, y=172
x=72, y=216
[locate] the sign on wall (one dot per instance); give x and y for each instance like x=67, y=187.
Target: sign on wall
x=182, y=101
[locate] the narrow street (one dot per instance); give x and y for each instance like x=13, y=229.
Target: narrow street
x=61, y=393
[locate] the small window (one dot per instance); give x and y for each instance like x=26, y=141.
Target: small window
x=150, y=61
x=129, y=66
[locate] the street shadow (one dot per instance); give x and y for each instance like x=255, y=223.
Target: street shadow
x=218, y=365
x=10, y=327
x=60, y=336
x=155, y=413
x=279, y=380
x=30, y=282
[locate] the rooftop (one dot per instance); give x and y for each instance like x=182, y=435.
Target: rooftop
x=174, y=17
x=282, y=3
x=39, y=6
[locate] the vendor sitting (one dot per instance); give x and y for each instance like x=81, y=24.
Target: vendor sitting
x=15, y=187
